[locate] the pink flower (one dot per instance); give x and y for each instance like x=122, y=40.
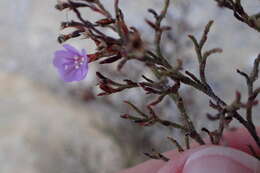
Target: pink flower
x=71, y=64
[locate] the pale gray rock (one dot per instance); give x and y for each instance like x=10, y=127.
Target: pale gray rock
x=42, y=133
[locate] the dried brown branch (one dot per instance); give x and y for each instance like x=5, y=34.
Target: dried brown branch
x=128, y=45
x=240, y=13
x=159, y=29
x=150, y=119
x=157, y=156
x=176, y=143
x=187, y=141
x=187, y=121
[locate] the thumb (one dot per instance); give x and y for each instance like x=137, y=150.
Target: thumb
x=215, y=159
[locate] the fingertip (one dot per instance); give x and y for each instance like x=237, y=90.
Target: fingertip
x=213, y=159
x=241, y=139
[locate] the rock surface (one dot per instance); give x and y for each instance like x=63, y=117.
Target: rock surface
x=43, y=133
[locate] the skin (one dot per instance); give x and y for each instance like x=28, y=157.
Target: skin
x=238, y=140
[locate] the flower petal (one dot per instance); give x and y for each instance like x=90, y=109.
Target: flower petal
x=84, y=69
x=68, y=75
x=80, y=74
x=71, y=74
x=62, y=57
x=71, y=49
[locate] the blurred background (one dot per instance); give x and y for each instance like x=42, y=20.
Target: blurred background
x=47, y=125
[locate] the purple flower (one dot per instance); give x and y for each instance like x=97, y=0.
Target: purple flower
x=71, y=64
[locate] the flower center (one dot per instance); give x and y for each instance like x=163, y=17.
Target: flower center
x=78, y=62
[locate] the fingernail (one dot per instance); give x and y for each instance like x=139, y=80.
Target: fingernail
x=217, y=159
x=212, y=159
